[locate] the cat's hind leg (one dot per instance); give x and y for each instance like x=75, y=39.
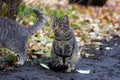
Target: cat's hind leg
x=20, y=49
x=71, y=66
x=74, y=60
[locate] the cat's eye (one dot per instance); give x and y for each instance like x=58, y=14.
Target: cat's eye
x=59, y=58
x=53, y=25
x=68, y=59
x=64, y=29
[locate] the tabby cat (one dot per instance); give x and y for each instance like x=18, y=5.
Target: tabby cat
x=14, y=36
x=64, y=48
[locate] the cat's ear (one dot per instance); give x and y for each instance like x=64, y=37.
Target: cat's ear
x=66, y=19
x=54, y=18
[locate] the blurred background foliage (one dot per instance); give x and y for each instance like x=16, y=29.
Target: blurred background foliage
x=91, y=24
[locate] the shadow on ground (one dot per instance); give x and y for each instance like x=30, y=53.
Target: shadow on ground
x=105, y=65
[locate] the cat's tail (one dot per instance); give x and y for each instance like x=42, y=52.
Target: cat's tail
x=40, y=22
x=57, y=67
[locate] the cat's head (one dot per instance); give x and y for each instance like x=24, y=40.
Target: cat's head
x=60, y=25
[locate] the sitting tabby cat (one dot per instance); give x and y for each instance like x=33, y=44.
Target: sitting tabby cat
x=14, y=36
x=64, y=48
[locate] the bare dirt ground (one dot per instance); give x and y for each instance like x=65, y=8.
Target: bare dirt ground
x=105, y=65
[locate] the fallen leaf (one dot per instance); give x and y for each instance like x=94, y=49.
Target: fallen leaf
x=83, y=71
x=44, y=66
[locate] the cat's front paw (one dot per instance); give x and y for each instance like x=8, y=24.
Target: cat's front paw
x=68, y=70
x=20, y=63
x=57, y=67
